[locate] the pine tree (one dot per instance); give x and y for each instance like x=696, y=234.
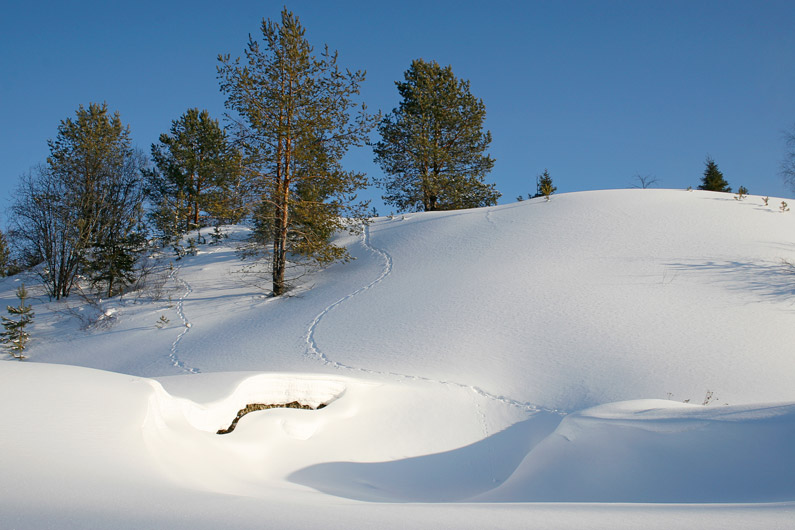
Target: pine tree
x=544, y=187
x=111, y=266
x=15, y=337
x=432, y=146
x=295, y=124
x=197, y=171
x=713, y=179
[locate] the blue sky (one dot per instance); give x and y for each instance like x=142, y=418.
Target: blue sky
x=594, y=91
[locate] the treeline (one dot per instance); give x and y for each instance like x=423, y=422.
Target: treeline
x=96, y=204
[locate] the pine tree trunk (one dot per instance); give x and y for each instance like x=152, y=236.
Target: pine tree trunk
x=280, y=259
x=196, y=201
x=280, y=256
x=278, y=248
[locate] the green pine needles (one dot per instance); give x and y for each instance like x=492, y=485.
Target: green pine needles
x=15, y=338
x=713, y=178
x=197, y=171
x=432, y=147
x=81, y=213
x=295, y=113
x=545, y=186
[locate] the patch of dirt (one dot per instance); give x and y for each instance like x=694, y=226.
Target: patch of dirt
x=251, y=407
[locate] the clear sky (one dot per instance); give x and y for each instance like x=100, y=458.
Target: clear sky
x=595, y=91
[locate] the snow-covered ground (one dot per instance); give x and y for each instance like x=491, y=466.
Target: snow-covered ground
x=518, y=366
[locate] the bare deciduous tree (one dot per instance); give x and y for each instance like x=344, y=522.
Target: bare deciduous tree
x=80, y=211
x=644, y=181
x=788, y=164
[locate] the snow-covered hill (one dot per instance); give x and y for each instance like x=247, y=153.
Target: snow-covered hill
x=494, y=359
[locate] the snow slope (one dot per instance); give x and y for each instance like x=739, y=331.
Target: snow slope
x=479, y=362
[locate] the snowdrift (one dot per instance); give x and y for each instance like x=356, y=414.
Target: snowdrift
x=480, y=362
x=659, y=451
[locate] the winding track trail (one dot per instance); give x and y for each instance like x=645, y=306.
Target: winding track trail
x=175, y=360
x=313, y=349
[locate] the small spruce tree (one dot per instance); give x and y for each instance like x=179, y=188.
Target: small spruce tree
x=15, y=338
x=713, y=178
x=544, y=185
x=112, y=264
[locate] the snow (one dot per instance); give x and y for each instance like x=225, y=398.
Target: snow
x=517, y=366
x=661, y=451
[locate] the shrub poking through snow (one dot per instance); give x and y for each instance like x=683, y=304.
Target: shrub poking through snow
x=784, y=207
x=765, y=199
x=15, y=338
x=741, y=193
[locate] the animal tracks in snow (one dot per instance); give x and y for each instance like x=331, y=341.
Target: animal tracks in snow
x=314, y=350
x=185, y=322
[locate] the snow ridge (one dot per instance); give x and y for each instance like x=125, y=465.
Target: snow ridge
x=185, y=322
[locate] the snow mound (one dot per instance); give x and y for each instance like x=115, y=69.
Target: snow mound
x=590, y=298
x=495, y=358
x=661, y=451
x=640, y=451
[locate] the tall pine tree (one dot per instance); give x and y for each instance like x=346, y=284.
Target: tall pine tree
x=294, y=122
x=432, y=146
x=713, y=178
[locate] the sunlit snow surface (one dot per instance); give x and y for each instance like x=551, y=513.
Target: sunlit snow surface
x=518, y=366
